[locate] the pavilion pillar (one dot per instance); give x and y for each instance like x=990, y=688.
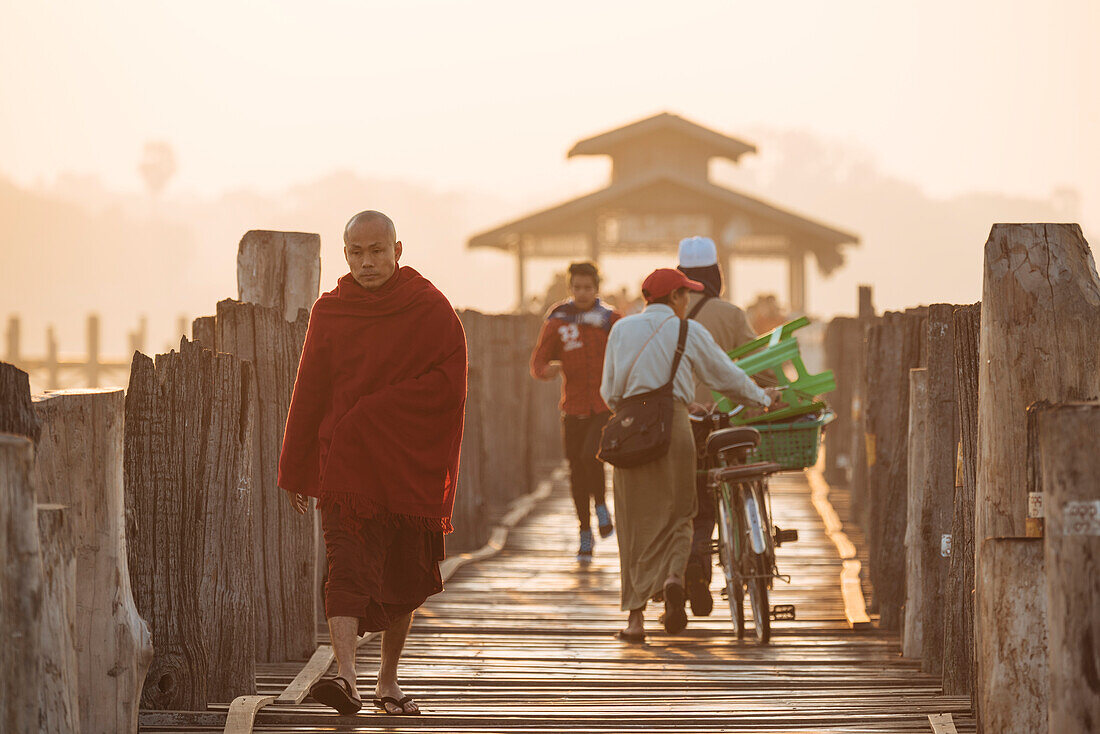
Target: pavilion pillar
x=796, y=279
x=725, y=257
x=521, y=278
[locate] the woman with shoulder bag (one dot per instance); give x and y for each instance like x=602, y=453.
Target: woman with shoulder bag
x=648, y=382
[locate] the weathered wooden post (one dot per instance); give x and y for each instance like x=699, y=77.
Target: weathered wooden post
x=280, y=270
x=939, y=476
x=92, y=367
x=286, y=618
x=17, y=414
x=859, y=434
x=11, y=340
x=1013, y=677
x=188, y=472
x=841, y=349
x=278, y=280
x=472, y=525
x=913, y=628
x=20, y=588
x=58, y=702
x=958, y=633
x=1071, y=482
x=79, y=464
x=1040, y=339
x=894, y=347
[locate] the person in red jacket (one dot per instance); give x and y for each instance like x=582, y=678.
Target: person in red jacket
x=572, y=343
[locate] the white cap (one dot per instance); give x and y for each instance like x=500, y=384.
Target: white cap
x=698, y=252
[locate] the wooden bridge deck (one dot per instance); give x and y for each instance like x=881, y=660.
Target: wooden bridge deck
x=523, y=642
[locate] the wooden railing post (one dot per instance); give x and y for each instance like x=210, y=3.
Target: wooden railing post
x=894, y=347
x=20, y=588
x=958, y=633
x=188, y=476
x=860, y=436
x=92, y=371
x=913, y=629
x=280, y=270
x=1013, y=675
x=286, y=618
x=1040, y=339
x=1071, y=484
x=939, y=476
x=79, y=464
x=58, y=700
x=52, y=370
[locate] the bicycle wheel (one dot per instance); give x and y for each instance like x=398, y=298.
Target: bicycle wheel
x=727, y=558
x=758, y=599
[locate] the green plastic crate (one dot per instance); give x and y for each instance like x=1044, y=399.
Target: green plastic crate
x=791, y=445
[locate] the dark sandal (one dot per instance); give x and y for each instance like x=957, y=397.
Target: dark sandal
x=380, y=704
x=630, y=636
x=675, y=618
x=336, y=693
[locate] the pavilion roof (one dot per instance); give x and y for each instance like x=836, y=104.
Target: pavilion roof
x=634, y=134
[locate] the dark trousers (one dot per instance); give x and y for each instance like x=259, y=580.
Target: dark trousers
x=703, y=528
x=581, y=438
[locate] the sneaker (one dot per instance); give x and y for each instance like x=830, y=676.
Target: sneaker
x=603, y=516
x=584, y=555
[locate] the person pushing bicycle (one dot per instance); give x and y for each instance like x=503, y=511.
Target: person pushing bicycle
x=729, y=325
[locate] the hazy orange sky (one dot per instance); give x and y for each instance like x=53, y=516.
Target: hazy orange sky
x=485, y=96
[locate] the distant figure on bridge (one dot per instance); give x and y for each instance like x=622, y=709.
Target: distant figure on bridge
x=572, y=344
x=373, y=432
x=656, y=502
x=730, y=327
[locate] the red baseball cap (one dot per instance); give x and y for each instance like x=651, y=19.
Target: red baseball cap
x=663, y=281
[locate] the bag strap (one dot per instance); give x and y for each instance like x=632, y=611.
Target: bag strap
x=699, y=306
x=681, y=343
x=630, y=369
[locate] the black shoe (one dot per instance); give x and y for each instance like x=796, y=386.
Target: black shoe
x=698, y=591
x=675, y=618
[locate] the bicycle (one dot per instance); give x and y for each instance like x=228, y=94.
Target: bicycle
x=746, y=538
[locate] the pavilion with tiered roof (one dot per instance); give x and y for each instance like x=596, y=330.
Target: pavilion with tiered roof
x=660, y=192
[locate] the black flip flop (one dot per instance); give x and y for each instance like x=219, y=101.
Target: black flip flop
x=630, y=636
x=380, y=704
x=676, y=618
x=336, y=693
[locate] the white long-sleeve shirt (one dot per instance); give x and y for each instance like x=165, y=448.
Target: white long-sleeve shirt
x=651, y=366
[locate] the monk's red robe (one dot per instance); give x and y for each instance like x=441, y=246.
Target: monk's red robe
x=375, y=421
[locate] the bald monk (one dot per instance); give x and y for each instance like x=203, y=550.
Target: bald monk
x=373, y=433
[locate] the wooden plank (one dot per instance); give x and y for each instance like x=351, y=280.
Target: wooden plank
x=855, y=606
x=242, y=713
x=942, y=724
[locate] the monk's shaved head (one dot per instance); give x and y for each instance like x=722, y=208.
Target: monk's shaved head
x=373, y=217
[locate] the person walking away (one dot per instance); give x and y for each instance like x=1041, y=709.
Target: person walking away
x=373, y=432
x=572, y=344
x=656, y=501
x=730, y=327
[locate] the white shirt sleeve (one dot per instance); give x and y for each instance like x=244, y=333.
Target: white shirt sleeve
x=609, y=391
x=719, y=373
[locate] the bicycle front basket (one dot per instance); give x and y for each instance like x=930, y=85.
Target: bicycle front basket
x=791, y=445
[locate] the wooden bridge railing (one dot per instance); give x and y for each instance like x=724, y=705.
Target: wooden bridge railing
x=168, y=563
x=961, y=498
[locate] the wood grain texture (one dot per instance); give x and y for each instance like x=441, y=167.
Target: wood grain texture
x=285, y=557
x=1071, y=479
x=188, y=443
x=1013, y=674
x=842, y=343
x=279, y=270
x=941, y=453
x=58, y=699
x=16, y=412
x=20, y=588
x=79, y=464
x=917, y=482
x=958, y=632
x=894, y=347
x=1040, y=340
